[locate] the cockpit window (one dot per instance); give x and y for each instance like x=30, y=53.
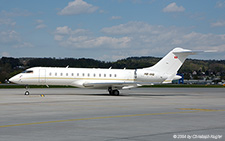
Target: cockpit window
x=27, y=71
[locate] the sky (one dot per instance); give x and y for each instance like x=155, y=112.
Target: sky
x=109, y=30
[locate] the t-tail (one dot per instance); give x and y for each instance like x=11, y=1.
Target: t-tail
x=171, y=63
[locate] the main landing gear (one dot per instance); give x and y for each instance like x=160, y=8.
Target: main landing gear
x=113, y=92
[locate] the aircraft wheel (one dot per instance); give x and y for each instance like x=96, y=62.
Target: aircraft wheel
x=27, y=93
x=116, y=92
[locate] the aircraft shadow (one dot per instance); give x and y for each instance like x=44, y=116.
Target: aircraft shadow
x=121, y=95
x=134, y=95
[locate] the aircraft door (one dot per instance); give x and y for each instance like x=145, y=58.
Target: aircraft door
x=42, y=76
x=135, y=74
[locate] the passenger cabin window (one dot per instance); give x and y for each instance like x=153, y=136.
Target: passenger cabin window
x=66, y=74
x=88, y=74
x=61, y=74
x=99, y=74
x=55, y=74
x=110, y=75
x=77, y=74
x=104, y=75
x=72, y=74
x=94, y=74
x=114, y=75
x=50, y=74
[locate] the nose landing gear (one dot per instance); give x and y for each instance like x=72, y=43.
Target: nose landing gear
x=27, y=92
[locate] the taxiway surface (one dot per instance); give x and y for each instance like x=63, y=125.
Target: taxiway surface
x=142, y=114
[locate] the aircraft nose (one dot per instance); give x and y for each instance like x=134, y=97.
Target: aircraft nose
x=14, y=79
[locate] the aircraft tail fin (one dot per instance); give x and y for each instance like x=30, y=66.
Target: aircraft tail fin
x=171, y=63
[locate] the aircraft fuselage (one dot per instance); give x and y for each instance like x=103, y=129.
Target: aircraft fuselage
x=85, y=77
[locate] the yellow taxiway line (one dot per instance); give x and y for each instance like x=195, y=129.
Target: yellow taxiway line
x=202, y=110
x=118, y=116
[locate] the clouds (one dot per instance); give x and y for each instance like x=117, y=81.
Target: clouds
x=16, y=12
x=116, y=17
x=173, y=8
x=139, y=38
x=220, y=4
x=203, y=41
x=103, y=28
x=81, y=38
x=5, y=54
x=218, y=24
x=145, y=36
x=78, y=7
x=65, y=31
x=129, y=28
x=13, y=39
x=7, y=22
x=40, y=24
x=9, y=37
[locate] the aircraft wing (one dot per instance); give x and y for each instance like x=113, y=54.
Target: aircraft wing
x=114, y=85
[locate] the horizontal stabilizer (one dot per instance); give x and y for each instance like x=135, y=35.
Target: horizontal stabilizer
x=193, y=52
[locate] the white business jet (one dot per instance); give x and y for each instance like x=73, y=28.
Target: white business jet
x=111, y=79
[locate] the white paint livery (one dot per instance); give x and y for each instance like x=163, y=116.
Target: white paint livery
x=112, y=79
